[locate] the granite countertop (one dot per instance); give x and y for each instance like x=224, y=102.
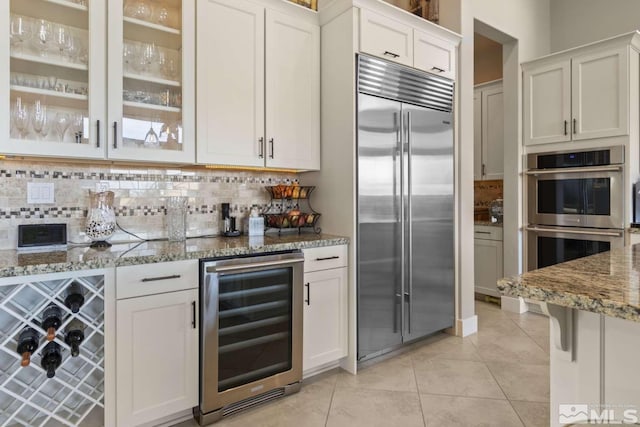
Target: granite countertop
x=634, y=230
x=489, y=223
x=606, y=283
x=14, y=263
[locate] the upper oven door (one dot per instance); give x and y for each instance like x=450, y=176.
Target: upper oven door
x=577, y=197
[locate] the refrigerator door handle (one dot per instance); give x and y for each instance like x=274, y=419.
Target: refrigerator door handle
x=402, y=219
x=409, y=224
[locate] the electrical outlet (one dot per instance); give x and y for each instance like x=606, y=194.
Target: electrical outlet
x=40, y=193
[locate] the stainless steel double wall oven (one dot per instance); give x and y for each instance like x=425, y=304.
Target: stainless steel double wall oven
x=575, y=204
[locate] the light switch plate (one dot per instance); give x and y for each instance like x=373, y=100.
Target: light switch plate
x=40, y=192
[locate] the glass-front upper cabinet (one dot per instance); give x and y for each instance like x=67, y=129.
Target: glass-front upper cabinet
x=151, y=80
x=54, y=75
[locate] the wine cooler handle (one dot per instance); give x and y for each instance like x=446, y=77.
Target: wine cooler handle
x=308, y=300
x=193, y=314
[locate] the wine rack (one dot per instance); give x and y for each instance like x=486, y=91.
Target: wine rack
x=76, y=392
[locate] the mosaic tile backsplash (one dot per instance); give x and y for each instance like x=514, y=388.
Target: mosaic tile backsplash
x=139, y=197
x=484, y=193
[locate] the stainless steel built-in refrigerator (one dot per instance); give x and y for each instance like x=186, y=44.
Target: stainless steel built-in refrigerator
x=405, y=205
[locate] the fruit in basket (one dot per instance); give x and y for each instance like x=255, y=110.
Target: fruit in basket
x=302, y=219
x=285, y=222
x=304, y=192
x=296, y=192
x=310, y=218
x=288, y=192
x=293, y=212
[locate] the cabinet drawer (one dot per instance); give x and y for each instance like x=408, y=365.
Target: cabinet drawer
x=434, y=55
x=324, y=258
x=487, y=232
x=149, y=279
x=386, y=38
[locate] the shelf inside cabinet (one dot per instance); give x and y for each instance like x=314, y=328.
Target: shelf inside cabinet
x=151, y=25
x=46, y=60
x=47, y=92
x=69, y=4
x=154, y=107
x=56, y=11
x=151, y=79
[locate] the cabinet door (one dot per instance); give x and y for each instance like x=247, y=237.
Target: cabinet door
x=386, y=38
x=477, y=135
x=493, y=133
x=434, y=55
x=230, y=74
x=325, y=317
x=488, y=266
x=54, y=79
x=292, y=92
x=151, y=78
x=547, y=103
x=600, y=94
x=156, y=356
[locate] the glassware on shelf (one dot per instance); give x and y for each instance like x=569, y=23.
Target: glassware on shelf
x=129, y=55
x=147, y=57
x=161, y=16
x=62, y=122
x=77, y=125
x=20, y=118
x=43, y=36
x=101, y=219
x=61, y=36
x=39, y=119
x=138, y=9
x=21, y=30
x=177, y=218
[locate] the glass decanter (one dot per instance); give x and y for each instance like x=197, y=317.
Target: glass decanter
x=101, y=219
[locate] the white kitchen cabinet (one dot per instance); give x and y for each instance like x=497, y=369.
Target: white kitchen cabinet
x=488, y=132
x=138, y=106
x=488, y=259
x=326, y=308
x=157, y=342
x=262, y=107
x=70, y=85
x=395, y=40
x=434, y=55
x=386, y=38
x=580, y=94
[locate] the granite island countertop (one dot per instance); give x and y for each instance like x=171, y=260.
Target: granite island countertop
x=14, y=263
x=606, y=283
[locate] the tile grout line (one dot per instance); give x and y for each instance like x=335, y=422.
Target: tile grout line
x=415, y=378
x=333, y=392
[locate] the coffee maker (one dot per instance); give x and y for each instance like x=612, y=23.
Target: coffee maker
x=228, y=222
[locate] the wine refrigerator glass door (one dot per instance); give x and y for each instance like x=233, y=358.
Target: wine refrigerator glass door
x=251, y=330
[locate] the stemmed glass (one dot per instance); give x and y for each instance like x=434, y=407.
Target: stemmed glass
x=20, y=29
x=147, y=56
x=61, y=38
x=63, y=120
x=39, y=119
x=77, y=122
x=21, y=117
x=43, y=36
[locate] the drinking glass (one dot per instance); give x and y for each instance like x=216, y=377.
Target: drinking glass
x=72, y=47
x=161, y=15
x=77, y=122
x=129, y=56
x=20, y=30
x=39, y=119
x=62, y=122
x=168, y=64
x=43, y=36
x=61, y=38
x=139, y=9
x=148, y=56
x=21, y=117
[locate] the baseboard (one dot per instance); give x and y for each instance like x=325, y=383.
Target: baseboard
x=172, y=420
x=466, y=327
x=320, y=369
x=514, y=305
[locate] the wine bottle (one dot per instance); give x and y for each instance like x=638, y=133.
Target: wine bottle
x=51, y=320
x=51, y=356
x=74, y=297
x=28, y=342
x=74, y=335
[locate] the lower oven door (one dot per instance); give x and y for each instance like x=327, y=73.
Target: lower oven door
x=577, y=197
x=552, y=245
x=251, y=335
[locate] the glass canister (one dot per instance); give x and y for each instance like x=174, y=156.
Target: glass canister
x=101, y=219
x=177, y=218
x=496, y=211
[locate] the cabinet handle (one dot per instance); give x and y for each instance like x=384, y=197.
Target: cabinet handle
x=155, y=279
x=484, y=169
x=328, y=258
x=261, y=141
x=483, y=232
x=391, y=54
x=97, y=133
x=565, y=127
x=115, y=134
x=193, y=314
x=437, y=69
x=575, y=126
x=308, y=300
x=272, y=151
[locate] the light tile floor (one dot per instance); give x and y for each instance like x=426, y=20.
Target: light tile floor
x=498, y=377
